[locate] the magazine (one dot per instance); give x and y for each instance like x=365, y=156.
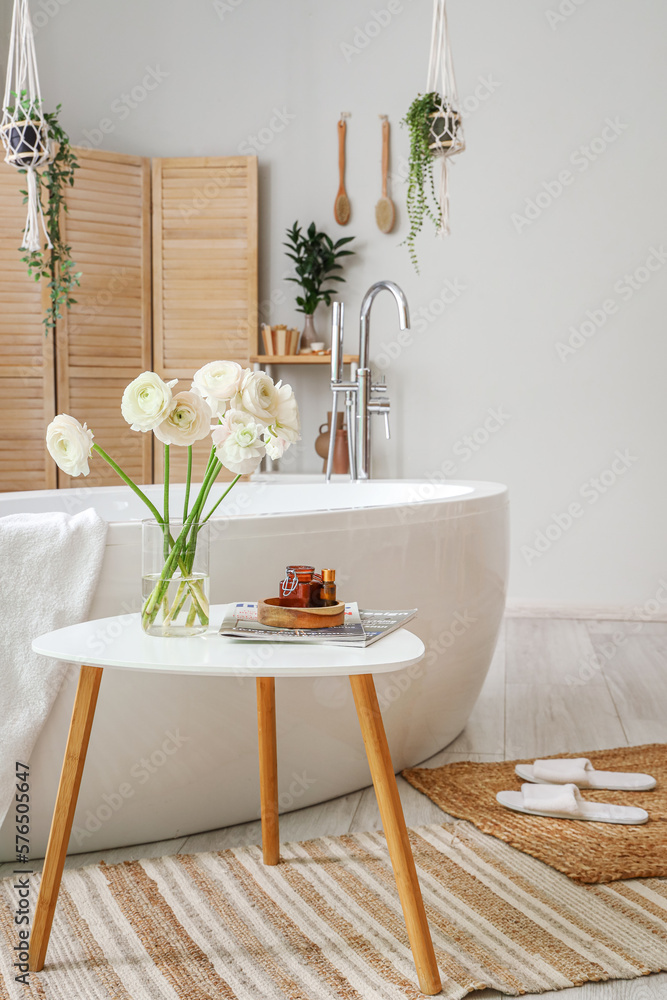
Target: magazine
x=359, y=628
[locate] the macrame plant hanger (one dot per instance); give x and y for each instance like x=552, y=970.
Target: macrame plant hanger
x=23, y=129
x=446, y=138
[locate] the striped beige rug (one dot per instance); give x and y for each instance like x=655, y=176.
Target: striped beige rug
x=326, y=924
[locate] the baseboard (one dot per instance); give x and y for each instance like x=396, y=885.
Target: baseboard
x=604, y=612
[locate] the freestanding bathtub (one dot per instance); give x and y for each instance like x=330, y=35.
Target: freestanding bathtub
x=173, y=755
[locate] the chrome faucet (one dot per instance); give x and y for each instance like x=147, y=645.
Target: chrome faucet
x=361, y=393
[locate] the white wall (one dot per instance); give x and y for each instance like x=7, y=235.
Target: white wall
x=551, y=86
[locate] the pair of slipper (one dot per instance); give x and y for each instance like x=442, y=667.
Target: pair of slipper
x=551, y=789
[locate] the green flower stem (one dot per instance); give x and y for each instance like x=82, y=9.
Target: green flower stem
x=209, y=479
x=178, y=603
x=211, y=460
x=165, y=549
x=186, y=502
x=214, y=472
x=159, y=591
x=126, y=479
x=158, y=597
x=217, y=504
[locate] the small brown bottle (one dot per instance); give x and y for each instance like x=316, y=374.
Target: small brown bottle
x=328, y=589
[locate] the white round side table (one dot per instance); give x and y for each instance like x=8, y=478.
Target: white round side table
x=90, y=644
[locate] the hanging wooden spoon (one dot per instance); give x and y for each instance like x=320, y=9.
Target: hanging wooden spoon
x=342, y=203
x=385, y=213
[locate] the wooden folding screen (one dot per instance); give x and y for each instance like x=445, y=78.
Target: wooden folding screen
x=104, y=341
x=204, y=270
x=26, y=354
x=200, y=257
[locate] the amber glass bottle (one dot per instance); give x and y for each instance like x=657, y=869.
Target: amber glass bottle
x=328, y=590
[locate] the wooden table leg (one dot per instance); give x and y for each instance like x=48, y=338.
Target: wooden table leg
x=393, y=821
x=63, y=814
x=268, y=768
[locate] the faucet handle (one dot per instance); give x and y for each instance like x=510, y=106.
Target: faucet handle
x=387, y=428
x=381, y=406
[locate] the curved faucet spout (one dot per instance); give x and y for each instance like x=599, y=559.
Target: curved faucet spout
x=365, y=317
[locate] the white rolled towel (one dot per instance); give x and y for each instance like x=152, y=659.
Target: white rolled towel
x=50, y=567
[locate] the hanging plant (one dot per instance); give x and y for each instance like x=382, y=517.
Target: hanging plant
x=434, y=128
x=422, y=201
x=25, y=132
x=436, y=133
x=37, y=145
x=54, y=263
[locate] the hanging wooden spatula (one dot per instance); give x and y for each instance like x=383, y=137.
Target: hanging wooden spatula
x=385, y=212
x=342, y=203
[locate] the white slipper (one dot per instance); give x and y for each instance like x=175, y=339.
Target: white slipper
x=579, y=771
x=565, y=802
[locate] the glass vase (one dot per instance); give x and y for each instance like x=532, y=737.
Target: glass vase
x=174, y=578
x=309, y=333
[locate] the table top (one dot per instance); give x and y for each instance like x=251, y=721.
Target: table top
x=120, y=642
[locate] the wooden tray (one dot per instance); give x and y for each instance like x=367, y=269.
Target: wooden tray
x=276, y=611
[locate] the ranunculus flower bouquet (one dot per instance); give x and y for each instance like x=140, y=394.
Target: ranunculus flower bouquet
x=247, y=416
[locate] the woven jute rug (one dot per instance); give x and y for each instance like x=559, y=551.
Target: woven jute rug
x=325, y=924
x=587, y=852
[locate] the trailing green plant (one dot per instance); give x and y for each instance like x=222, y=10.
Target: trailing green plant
x=315, y=257
x=422, y=201
x=54, y=265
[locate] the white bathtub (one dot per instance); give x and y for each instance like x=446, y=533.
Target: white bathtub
x=173, y=755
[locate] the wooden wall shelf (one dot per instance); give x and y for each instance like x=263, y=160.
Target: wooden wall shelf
x=301, y=359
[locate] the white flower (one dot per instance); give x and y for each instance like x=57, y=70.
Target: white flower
x=238, y=442
x=69, y=444
x=146, y=401
x=287, y=423
x=275, y=445
x=218, y=382
x=258, y=395
x=188, y=420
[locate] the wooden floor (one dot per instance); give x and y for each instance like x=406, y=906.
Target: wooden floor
x=554, y=685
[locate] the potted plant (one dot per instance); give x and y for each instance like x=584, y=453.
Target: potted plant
x=25, y=132
x=315, y=257
x=434, y=127
x=52, y=263
x=444, y=126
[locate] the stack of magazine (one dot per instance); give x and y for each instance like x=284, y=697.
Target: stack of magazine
x=360, y=628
